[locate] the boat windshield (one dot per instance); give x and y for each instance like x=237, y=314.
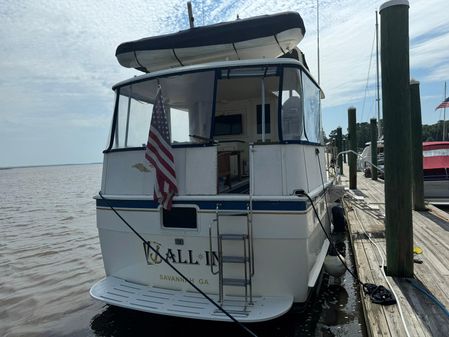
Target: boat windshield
x=188, y=104
x=229, y=104
x=300, y=110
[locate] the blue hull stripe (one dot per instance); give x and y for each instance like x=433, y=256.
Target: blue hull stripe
x=299, y=205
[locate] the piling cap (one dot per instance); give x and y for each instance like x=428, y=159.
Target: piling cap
x=413, y=81
x=393, y=3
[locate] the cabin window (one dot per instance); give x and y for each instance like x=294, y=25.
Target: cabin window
x=436, y=153
x=435, y=174
x=292, y=106
x=190, y=99
x=228, y=125
x=246, y=90
x=179, y=217
x=132, y=121
x=179, y=120
x=188, y=105
x=312, y=114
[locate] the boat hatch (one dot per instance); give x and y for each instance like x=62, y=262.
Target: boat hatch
x=115, y=291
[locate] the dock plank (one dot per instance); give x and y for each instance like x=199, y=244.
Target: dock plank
x=365, y=212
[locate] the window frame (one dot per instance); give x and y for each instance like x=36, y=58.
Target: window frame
x=217, y=70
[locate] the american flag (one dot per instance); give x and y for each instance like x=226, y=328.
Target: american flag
x=444, y=104
x=159, y=154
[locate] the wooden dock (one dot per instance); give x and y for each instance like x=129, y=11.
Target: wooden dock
x=365, y=209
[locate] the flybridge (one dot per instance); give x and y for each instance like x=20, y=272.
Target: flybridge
x=266, y=36
x=243, y=114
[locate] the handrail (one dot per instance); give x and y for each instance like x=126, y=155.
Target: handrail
x=220, y=257
x=250, y=211
x=358, y=156
x=249, y=229
x=211, y=252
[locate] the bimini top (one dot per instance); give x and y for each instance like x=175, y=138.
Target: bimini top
x=266, y=36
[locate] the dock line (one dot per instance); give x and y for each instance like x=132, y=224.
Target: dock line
x=382, y=268
x=378, y=293
x=176, y=270
x=302, y=192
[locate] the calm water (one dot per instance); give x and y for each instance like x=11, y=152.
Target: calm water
x=50, y=256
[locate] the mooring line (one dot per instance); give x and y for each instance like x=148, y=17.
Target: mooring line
x=145, y=242
x=382, y=270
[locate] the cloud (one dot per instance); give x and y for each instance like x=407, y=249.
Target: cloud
x=58, y=64
x=431, y=53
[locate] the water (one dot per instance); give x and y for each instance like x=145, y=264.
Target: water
x=50, y=256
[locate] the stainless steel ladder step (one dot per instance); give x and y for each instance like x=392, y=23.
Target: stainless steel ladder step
x=235, y=282
x=245, y=259
x=225, y=212
x=233, y=236
x=235, y=259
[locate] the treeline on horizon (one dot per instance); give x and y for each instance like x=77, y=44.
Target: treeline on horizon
x=430, y=133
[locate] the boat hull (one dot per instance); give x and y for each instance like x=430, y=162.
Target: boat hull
x=436, y=189
x=289, y=250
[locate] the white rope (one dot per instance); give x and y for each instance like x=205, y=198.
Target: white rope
x=382, y=267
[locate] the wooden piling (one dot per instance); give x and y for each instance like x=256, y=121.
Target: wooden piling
x=345, y=148
x=373, y=149
x=352, y=157
x=339, y=150
x=417, y=150
x=397, y=138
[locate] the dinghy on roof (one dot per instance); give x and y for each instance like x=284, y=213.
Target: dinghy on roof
x=266, y=36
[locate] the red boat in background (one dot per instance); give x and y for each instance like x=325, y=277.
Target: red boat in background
x=436, y=171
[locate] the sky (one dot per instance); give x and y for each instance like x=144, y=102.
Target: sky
x=57, y=63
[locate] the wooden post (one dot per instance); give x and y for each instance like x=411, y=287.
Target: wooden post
x=373, y=148
x=340, y=149
x=396, y=110
x=352, y=146
x=417, y=155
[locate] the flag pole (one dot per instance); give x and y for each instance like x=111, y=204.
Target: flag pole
x=318, y=37
x=379, y=126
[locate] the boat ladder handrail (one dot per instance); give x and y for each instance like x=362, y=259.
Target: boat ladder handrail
x=246, y=259
x=246, y=237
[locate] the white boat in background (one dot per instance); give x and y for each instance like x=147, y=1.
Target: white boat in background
x=436, y=172
x=364, y=159
x=246, y=137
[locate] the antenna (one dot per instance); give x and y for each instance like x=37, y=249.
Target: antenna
x=318, y=37
x=191, y=18
x=444, y=114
